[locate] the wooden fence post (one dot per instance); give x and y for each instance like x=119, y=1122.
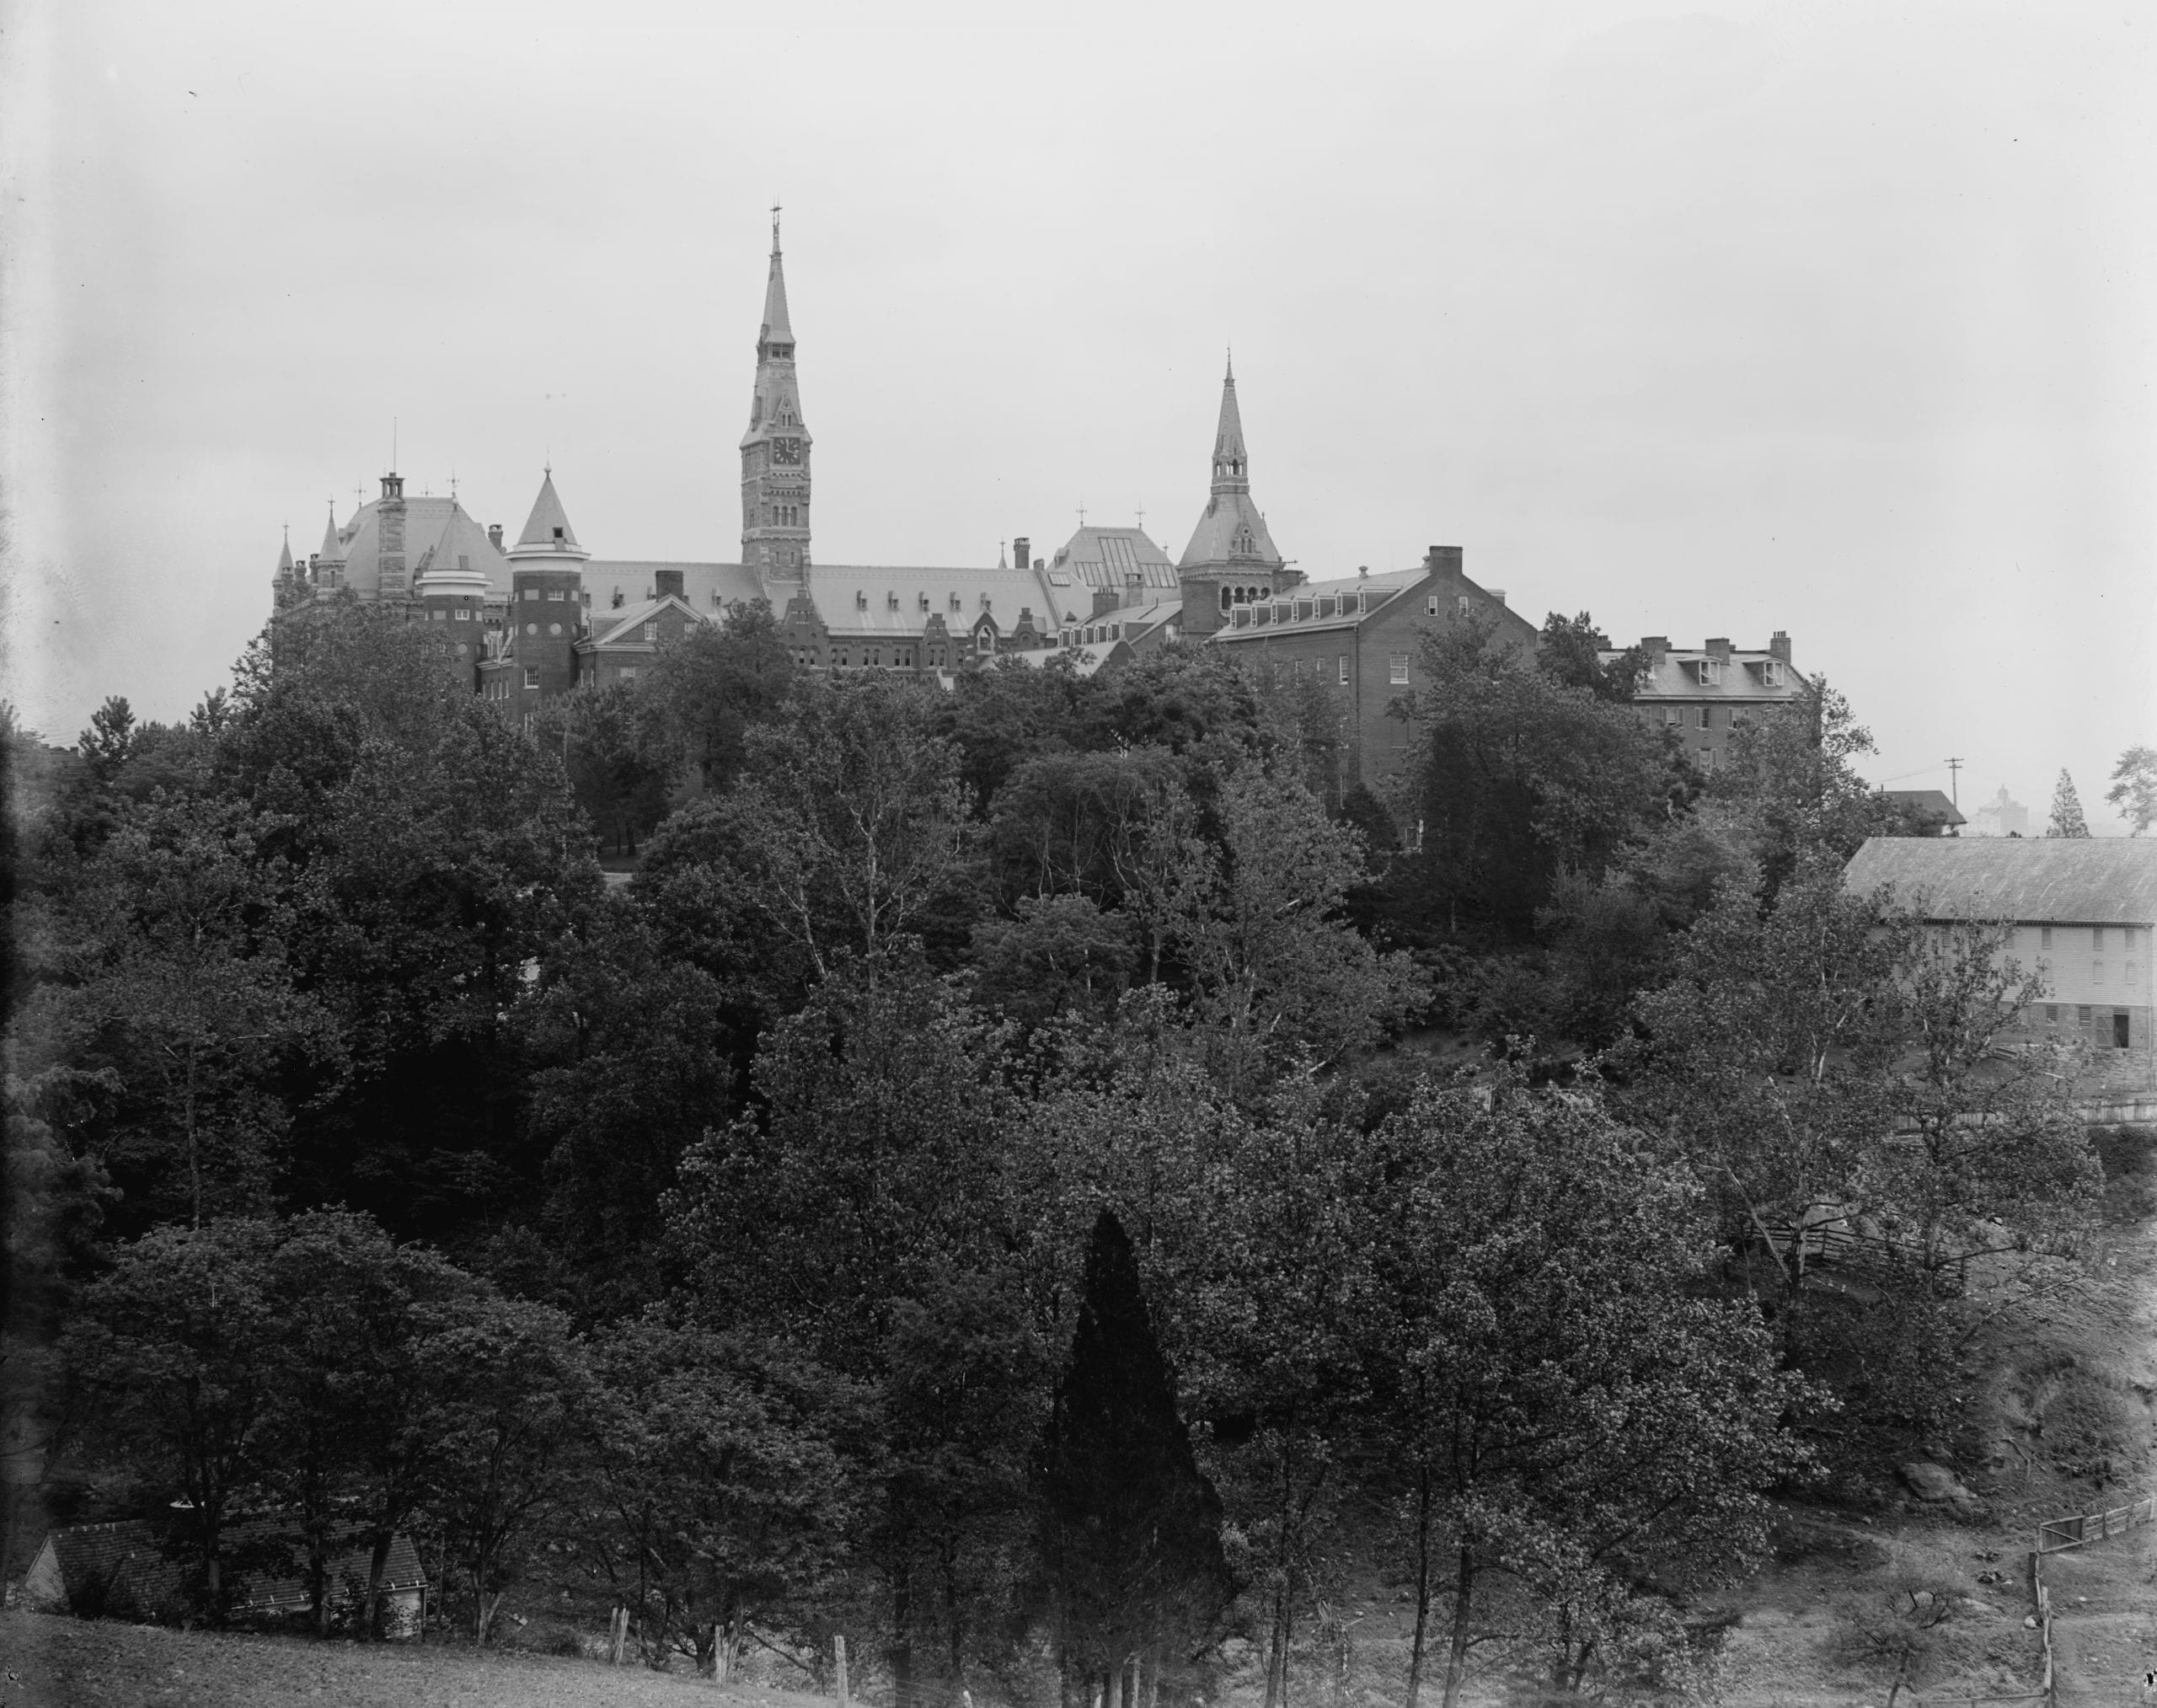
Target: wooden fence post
x=838, y=1648
x=619, y=1636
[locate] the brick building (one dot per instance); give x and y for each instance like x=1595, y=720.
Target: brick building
x=1703, y=693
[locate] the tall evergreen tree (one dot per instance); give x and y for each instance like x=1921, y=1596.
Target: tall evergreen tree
x=1130, y=1530
x=2067, y=819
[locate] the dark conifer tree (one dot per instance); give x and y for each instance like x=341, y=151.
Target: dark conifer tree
x=1131, y=1544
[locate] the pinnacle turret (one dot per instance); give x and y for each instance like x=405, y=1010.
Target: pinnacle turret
x=333, y=546
x=1231, y=464
x=547, y=528
x=775, y=337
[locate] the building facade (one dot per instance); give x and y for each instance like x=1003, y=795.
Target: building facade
x=525, y=622
x=1704, y=695
x=2082, y=910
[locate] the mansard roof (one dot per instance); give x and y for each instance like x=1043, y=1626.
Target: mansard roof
x=1313, y=606
x=430, y=523
x=2076, y=880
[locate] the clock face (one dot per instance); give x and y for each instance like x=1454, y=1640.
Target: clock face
x=786, y=451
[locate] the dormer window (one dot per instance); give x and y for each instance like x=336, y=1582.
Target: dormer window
x=890, y=602
x=924, y=601
x=1771, y=672
x=861, y=602
x=955, y=602
x=560, y=534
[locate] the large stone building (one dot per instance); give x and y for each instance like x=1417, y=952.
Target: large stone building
x=1704, y=694
x=531, y=619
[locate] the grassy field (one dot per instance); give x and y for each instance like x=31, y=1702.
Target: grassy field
x=48, y=1661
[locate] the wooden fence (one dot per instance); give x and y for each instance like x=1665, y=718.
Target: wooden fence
x=2054, y=1536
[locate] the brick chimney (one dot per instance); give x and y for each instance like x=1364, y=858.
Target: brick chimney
x=494, y=535
x=1655, y=645
x=1779, y=648
x=1020, y=546
x=1444, y=560
x=1718, y=649
x=666, y=582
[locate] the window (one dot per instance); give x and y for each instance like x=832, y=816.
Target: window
x=1671, y=715
x=558, y=533
x=531, y=676
x=2097, y=937
x=530, y=594
x=2051, y=1013
x=1771, y=673
x=1463, y=604
x=464, y=614
x=1396, y=665
x=553, y=628
x=2082, y=1014
x=2122, y=1029
x=1704, y=710
x=556, y=593
x=2096, y=973
x=1344, y=667
x=1431, y=605
x=651, y=631
x=441, y=616
x=626, y=671
x=2045, y=937
x=1707, y=758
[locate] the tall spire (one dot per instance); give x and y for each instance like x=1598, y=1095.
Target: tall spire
x=333, y=548
x=777, y=329
x=285, y=555
x=1231, y=464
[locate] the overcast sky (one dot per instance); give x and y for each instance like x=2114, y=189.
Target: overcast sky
x=1712, y=320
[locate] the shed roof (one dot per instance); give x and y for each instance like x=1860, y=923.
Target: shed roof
x=2087, y=880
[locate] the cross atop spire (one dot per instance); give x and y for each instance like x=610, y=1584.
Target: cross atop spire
x=776, y=336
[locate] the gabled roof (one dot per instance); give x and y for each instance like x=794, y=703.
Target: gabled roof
x=547, y=517
x=623, y=626
x=2084, y=881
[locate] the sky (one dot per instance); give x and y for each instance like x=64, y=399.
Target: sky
x=1708, y=320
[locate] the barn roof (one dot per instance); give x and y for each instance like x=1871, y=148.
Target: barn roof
x=2087, y=880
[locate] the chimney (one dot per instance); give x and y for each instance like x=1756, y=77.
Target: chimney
x=1718, y=649
x=1018, y=549
x=667, y=581
x=1779, y=648
x=1655, y=645
x=1445, y=560
x=494, y=535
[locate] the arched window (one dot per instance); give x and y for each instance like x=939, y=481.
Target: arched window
x=1226, y=597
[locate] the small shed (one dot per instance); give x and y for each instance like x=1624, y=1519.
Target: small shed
x=125, y=1568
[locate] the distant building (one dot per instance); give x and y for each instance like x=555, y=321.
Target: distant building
x=2001, y=815
x=122, y=1570
x=1704, y=694
x=525, y=622
x=2082, y=910
x=1930, y=811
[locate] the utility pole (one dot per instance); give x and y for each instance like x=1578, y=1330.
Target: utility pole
x=1953, y=780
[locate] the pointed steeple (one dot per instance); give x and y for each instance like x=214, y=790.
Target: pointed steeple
x=547, y=528
x=777, y=329
x=1231, y=464
x=285, y=554
x=333, y=548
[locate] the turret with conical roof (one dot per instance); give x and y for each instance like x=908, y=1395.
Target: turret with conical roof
x=333, y=543
x=1231, y=559
x=285, y=584
x=775, y=451
x=546, y=602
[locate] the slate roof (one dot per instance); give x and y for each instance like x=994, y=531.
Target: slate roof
x=855, y=599
x=1085, y=660
x=1104, y=557
x=1311, y=597
x=2077, y=881
x=429, y=524
x=619, y=628
x=708, y=587
x=1742, y=679
x=1212, y=539
x=547, y=514
x=126, y=1557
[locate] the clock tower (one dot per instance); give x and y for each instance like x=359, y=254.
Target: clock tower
x=775, y=454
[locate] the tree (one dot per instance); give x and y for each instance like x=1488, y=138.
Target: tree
x=718, y=682
x=1568, y=1408
x=728, y=1470
x=849, y=821
x=1130, y=1540
x=172, y=972
x=2134, y=788
x=619, y=753
x=1792, y=777
x=1569, y=651
x=1514, y=776
x=2067, y=819
x=1058, y=954
x=180, y=1344
x=516, y=1393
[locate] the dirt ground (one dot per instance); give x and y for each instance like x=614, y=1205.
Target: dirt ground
x=49, y=1661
